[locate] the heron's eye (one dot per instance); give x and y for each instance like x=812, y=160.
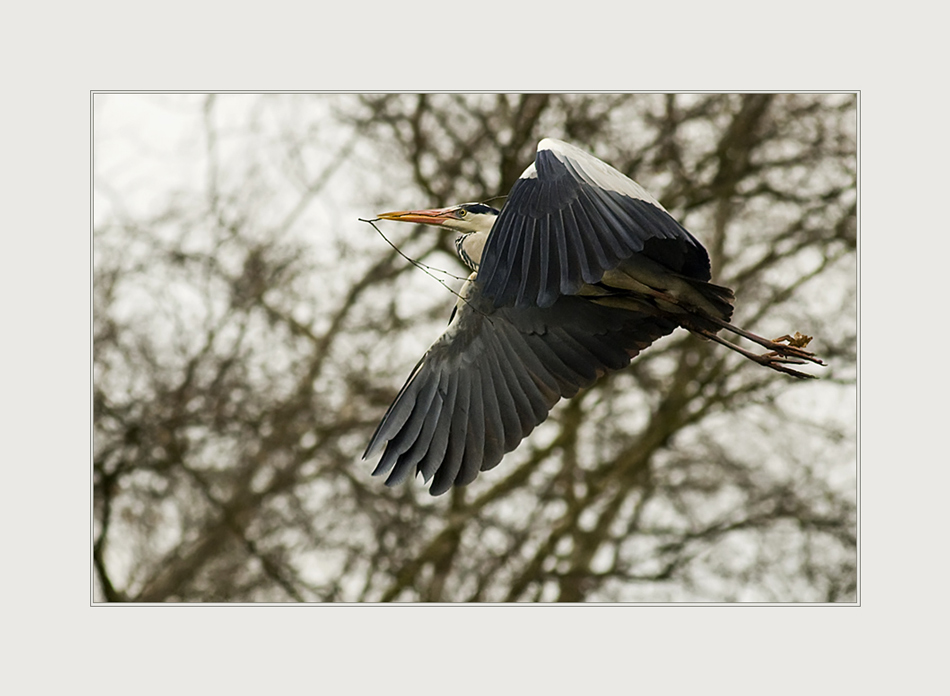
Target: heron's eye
x=462, y=212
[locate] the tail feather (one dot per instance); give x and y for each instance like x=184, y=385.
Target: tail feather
x=720, y=297
x=697, y=305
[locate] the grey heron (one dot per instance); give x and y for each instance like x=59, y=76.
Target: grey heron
x=580, y=271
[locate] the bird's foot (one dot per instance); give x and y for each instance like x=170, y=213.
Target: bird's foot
x=792, y=349
x=799, y=340
x=783, y=351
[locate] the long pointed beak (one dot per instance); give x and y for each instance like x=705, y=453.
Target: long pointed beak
x=435, y=216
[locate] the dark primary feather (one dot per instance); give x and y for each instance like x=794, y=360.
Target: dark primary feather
x=558, y=231
x=493, y=376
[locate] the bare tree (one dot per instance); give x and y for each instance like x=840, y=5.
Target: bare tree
x=246, y=343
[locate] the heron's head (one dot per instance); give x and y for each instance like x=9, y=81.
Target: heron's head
x=468, y=217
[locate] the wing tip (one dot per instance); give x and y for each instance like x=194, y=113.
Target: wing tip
x=436, y=490
x=374, y=447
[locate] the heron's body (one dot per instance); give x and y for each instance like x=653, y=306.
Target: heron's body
x=580, y=271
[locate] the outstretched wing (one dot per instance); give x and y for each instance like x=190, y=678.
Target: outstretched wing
x=493, y=376
x=570, y=218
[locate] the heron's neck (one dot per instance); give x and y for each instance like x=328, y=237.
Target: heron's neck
x=469, y=247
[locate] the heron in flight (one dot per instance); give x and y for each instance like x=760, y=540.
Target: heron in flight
x=580, y=271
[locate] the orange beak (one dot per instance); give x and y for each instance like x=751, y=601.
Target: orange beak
x=435, y=216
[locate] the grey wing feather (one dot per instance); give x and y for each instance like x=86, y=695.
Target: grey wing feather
x=569, y=219
x=493, y=376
